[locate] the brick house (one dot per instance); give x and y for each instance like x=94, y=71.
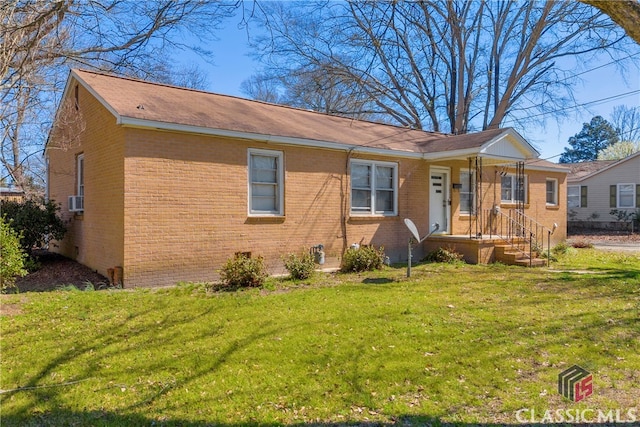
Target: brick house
x=168, y=183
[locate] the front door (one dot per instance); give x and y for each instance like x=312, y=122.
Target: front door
x=439, y=200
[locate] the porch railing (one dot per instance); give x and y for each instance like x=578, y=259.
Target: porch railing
x=520, y=231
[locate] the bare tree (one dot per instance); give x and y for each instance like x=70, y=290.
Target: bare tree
x=263, y=87
x=626, y=120
x=445, y=65
x=40, y=40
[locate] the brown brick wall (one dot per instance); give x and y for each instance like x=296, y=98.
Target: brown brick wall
x=186, y=207
x=94, y=237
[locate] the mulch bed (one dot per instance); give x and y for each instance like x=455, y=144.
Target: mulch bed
x=603, y=236
x=57, y=271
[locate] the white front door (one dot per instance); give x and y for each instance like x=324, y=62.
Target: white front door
x=439, y=200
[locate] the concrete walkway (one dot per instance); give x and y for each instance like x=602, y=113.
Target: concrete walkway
x=617, y=247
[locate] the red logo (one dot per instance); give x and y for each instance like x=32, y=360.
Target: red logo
x=583, y=388
x=575, y=383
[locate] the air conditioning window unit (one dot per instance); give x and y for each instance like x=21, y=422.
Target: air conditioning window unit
x=76, y=203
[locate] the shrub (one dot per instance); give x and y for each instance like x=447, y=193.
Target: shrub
x=561, y=248
x=12, y=257
x=363, y=258
x=445, y=255
x=300, y=267
x=36, y=220
x=243, y=272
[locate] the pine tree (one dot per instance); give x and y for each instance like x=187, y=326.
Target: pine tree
x=590, y=141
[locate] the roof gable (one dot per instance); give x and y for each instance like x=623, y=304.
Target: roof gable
x=509, y=145
x=585, y=170
x=136, y=103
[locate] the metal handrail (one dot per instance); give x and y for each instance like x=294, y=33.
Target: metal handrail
x=517, y=225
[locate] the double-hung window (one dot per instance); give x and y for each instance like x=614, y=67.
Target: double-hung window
x=577, y=196
x=76, y=201
x=573, y=196
x=468, y=192
x=626, y=195
x=80, y=177
x=266, y=176
x=374, y=187
x=513, y=190
x=552, y=192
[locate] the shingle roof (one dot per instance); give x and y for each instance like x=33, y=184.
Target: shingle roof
x=153, y=102
x=582, y=169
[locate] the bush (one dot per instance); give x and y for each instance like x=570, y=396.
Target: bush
x=12, y=257
x=36, y=220
x=561, y=248
x=243, y=272
x=300, y=267
x=445, y=255
x=363, y=258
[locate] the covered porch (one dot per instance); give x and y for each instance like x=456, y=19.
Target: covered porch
x=504, y=204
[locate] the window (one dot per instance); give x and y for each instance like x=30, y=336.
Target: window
x=76, y=201
x=573, y=196
x=373, y=187
x=80, y=175
x=468, y=192
x=577, y=196
x=265, y=182
x=626, y=195
x=513, y=191
x=552, y=192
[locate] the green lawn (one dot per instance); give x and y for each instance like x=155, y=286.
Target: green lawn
x=453, y=344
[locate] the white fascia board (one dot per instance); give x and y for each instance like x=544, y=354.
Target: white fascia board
x=469, y=152
x=95, y=94
x=451, y=154
x=74, y=76
x=546, y=168
x=269, y=139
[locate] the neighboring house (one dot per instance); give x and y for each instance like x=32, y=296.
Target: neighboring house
x=11, y=194
x=594, y=189
x=168, y=183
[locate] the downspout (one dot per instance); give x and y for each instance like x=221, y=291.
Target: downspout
x=343, y=201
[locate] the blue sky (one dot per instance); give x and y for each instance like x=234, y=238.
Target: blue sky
x=232, y=66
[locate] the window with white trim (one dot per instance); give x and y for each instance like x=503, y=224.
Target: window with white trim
x=468, y=192
x=512, y=190
x=374, y=187
x=626, y=195
x=76, y=201
x=80, y=175
x=573, y=196
x=266, y=176
x=552, y=192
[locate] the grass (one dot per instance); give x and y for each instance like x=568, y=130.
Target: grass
x=453, y=344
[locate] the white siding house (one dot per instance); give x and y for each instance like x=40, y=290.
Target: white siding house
x=596, y=189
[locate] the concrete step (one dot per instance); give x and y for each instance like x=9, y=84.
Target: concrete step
x=507, y=255
x=536, y=262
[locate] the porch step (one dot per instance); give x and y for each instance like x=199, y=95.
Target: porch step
x=507, y=255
